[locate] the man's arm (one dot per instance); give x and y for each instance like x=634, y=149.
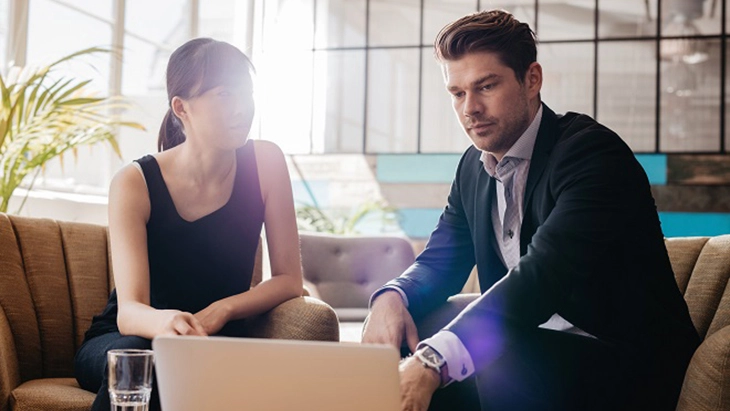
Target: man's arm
x=441, y=270
x=597, y=186
x=438, y=272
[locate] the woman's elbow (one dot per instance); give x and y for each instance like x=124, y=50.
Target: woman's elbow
x=123, y=323
x=295, y=287
x=128, y=319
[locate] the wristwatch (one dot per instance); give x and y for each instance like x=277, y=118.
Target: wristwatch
x=431, y=358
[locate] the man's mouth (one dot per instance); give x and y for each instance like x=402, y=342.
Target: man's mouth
x=480, y=126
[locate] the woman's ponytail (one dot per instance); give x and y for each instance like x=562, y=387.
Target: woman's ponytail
x=171, y=133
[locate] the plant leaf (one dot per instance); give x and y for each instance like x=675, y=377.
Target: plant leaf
x=80, y=101
x=71, y=90
x=42, y=118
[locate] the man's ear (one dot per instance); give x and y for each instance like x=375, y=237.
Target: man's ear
x=533, y=79
x=179, y=107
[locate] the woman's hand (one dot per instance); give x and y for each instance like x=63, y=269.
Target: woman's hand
x=181, y=323
x=213, y=317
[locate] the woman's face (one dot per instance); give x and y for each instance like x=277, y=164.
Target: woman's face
x=221, y=116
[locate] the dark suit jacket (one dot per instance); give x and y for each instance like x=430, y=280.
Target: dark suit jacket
x=591, y=246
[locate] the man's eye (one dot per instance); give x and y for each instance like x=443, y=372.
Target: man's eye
x=488, y=86
x=458, y=94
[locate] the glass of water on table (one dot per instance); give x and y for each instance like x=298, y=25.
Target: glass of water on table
x=130, y=379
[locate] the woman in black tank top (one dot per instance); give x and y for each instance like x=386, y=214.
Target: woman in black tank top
x=185, y=224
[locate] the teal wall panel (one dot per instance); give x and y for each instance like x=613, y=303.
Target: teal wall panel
x=418, y=222
x=417, y=168
x=440, y=168
x=694, y=224
x=655, y=166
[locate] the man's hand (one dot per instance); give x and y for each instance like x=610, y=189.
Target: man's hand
x=389, y=322
x=213, y=317
x=417, y=384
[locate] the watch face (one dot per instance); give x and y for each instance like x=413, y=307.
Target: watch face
x=433, y=357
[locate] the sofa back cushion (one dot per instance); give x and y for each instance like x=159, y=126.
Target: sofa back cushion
x=346, y=270
x=702, y=268
x=53, y=278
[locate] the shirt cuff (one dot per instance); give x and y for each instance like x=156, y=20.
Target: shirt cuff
x=402, y=293
x=455, y=354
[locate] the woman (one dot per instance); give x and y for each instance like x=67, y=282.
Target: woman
x=185, y=224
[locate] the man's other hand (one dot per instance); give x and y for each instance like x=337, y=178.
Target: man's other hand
x=417, y=384
x=389, y=322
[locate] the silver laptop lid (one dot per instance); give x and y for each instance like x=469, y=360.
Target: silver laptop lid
x=218, y=373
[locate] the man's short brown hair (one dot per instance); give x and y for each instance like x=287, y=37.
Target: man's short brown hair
x=494, y=31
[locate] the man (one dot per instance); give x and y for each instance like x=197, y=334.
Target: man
x=558, y=217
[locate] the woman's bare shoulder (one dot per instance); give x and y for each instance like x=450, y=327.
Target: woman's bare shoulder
x=129, y=189
x=267, y=148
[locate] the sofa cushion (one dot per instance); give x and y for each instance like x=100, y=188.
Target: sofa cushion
x=344, y=271
x=707, y=382
x=58, y=394
x=702, y=269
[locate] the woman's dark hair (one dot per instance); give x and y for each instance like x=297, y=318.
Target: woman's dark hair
x=493, y=31
x=194, y=68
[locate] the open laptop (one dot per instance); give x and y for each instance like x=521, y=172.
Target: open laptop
x=219, y=373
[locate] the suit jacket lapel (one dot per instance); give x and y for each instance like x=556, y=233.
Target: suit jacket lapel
x=543, y=146
x=489, y=259
x=486, y=189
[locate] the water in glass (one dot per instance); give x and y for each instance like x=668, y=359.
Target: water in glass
x=137, y=400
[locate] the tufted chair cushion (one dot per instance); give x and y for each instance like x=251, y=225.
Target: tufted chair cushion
x=344, y=271
x=702, y=268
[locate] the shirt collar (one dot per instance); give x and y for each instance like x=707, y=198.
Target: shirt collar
x=521, y=149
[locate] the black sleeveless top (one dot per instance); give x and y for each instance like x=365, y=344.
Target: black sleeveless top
x=194, y=263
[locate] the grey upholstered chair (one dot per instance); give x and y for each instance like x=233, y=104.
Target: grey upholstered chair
x=344, y=271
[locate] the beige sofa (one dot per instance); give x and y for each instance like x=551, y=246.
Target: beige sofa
x=702, y=269
x=54, y=276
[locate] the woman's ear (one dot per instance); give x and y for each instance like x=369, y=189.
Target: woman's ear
x=179, y=108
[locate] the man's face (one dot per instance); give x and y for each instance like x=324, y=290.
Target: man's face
x=493, y=107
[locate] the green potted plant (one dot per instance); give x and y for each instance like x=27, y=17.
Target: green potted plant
x=43, y=117
x=313, y=218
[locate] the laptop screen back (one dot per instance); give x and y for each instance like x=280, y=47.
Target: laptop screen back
x=218, y=373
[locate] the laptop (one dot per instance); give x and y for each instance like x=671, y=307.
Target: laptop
x=220, y=373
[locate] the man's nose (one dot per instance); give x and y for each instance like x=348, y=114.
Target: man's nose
x=472, y=106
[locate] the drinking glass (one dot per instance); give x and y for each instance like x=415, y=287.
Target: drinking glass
x=130, y=379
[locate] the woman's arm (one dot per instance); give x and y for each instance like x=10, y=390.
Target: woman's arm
x=282, y=239
x=129, y=211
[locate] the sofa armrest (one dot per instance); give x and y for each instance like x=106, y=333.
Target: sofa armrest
x=301, y=318
x=9, y=371
x=707, y=381
x=431, y=323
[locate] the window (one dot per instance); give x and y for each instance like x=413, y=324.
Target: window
x=152, y=31
x=627, y=88
x=4, y=20
x=614, y=60
x=358, y=76
x=58, y=28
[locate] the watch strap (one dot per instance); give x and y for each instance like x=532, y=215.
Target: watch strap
x=444, y=377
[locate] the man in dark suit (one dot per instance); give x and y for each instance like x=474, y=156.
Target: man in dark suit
x=579, y=307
